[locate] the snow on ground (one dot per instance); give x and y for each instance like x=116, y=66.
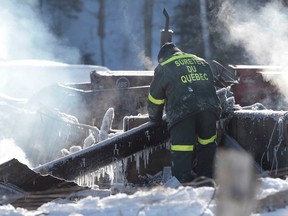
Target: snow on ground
x=158, y=201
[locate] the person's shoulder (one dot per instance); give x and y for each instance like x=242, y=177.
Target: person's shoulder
x=159, y=69
x=199, y=60
x=170, y=59
x=196, y=57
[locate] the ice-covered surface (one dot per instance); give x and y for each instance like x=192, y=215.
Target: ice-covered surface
x=260, y=114
x=126, y=73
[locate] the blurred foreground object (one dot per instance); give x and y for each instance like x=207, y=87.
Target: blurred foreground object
x=236, y=183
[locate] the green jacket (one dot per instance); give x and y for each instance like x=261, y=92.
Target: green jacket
x=184, y=84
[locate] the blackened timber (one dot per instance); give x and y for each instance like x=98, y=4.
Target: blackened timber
x=106, y=152
x=27, y=189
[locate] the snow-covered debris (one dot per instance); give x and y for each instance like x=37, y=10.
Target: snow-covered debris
x=271, y=186
x=55, y=113
x=73, y=149
x=273, y=195
x=106, y=124
x=89, y=140
x=65, y=152
x=95, y=135
x=158, y=201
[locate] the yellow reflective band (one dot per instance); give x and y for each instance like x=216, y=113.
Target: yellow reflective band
x=155, y=101
x=182, y=147
x=206, y=141
x=177, y=57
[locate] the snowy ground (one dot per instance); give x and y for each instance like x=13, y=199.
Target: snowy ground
x=158, y=201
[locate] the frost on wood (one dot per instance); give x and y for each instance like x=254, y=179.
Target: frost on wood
x=89, y=141
x=95, y=135
x=106, y=124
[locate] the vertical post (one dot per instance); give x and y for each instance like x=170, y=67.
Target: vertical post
x=166, y=34
x=236, y=181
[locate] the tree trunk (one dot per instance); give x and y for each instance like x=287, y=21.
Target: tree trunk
x=101, y=29
x=205, y=30
x=148, y=17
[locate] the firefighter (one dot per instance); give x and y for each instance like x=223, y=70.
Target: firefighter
x=184, y=84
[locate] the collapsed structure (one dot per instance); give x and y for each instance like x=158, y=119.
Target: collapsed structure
x=71, y=132
x=96, y=136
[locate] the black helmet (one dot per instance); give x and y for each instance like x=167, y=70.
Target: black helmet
x=167, y=49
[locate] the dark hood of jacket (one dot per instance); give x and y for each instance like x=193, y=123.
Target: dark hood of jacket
x=167, y=50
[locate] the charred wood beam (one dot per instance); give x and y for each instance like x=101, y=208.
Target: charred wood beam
x=106, y=152
x=264, y=134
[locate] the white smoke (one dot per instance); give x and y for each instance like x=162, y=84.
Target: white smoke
x=262, y=30
x=23, y=34
x=9, y=150
x=27, y=48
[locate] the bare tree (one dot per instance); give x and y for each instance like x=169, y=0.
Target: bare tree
x=101, y=29
x=205, y=30
x=148, y=17
x=69, y=8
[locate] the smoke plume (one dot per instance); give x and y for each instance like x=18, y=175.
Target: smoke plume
x=24, y=40
x=262, y=30
x=23, y=34
x=8, y=150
